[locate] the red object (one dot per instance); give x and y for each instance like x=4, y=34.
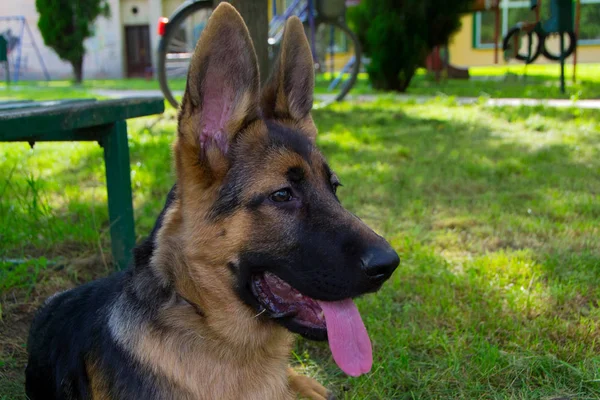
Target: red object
x=496, y=33
x=162, y=25
x=435, y=63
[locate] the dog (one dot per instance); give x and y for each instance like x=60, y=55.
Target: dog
x=251, y=247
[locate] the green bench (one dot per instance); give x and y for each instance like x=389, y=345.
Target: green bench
x=88, y=120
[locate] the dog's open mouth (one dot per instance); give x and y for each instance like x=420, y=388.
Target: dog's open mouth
x=339, y=321
x=281, y=300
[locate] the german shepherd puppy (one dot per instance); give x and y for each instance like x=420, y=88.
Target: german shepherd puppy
x=251, y=246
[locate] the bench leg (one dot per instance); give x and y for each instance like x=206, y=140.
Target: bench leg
x=120, y=204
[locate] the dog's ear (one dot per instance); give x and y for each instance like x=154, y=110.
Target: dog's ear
x=222, y=91
x=289, y=92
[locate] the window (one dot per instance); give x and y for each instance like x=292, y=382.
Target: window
x=513, y=11
x=589, y=24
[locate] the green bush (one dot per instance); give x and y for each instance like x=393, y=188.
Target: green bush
x=397, y=35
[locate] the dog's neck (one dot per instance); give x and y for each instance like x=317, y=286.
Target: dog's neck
x=181, y=282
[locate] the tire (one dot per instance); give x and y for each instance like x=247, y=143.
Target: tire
x=172, y=29
x=338, y=92
x=570, y=49
x=526, y=58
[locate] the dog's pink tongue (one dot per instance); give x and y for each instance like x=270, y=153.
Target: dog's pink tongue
x=348, y=339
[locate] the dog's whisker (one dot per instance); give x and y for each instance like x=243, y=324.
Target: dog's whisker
x=260, y=313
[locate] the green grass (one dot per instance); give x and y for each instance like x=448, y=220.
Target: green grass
x=505, y=81
x=502, y=81
x=495, y=213
x=18, y=274
x=41, y=90
x=515, y=81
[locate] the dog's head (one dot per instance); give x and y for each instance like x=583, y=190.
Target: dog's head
x=258, y=199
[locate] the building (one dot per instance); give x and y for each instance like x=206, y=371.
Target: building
x=473, y=45
x=123, y=45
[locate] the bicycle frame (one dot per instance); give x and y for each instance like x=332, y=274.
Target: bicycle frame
x=302, y=11
x=306, y=10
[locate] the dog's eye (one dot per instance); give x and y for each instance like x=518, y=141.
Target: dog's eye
x=282, y=195
x=335, y=183
x=335, y=186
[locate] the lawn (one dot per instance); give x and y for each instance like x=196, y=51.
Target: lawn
x=515, y=81
x=512, y=81
x=494, y=211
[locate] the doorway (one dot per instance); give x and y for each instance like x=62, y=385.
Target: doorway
x=137, y=50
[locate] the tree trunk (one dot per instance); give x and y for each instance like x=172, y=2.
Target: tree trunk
x=405, y=80
x=78, y=70
x=392, y=80
x=256, y=16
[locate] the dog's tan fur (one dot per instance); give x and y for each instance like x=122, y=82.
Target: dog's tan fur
x=224, y=345
x=254, y=202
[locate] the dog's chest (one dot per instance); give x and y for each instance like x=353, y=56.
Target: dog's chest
x=258, y=383
x=197, y=371
x=210, y=379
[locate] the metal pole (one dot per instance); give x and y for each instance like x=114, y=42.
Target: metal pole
x=37, y=50
x=577, y=18
x=562, y=62
x=18, y=60
x=496, y=31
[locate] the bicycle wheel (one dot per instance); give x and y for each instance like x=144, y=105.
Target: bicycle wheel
x=177, y=46
x=337, y=56
x=527, y=52
x=569, y=50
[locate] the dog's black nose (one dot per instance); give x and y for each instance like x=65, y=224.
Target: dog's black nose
x=379, y=263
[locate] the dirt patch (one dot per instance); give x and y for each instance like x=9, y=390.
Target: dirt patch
x=18, y=307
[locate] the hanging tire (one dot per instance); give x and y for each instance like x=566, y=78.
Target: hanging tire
x=508, y=41
x=570, y=48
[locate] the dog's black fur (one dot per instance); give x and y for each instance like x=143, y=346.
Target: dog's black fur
x=74, y=325
x=252, y=201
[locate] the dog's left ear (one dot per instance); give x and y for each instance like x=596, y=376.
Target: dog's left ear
x=222, y=91
x=289, y=92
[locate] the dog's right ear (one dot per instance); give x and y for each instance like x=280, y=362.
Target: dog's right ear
x=222, y=91
x=289, y=92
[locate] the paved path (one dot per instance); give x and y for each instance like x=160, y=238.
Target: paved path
x=133, y=93
x=589, y=104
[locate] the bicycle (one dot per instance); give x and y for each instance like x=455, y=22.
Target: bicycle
x=511, y=45
x=336, y=50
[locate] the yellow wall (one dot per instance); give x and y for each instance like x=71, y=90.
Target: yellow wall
x=462, y=53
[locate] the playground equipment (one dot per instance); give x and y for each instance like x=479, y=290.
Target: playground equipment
x=439, y=59
x=16, y=42
x=561, y=23
x=4, y=57
x=336, y=50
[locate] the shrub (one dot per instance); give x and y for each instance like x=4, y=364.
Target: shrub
x=397, y=35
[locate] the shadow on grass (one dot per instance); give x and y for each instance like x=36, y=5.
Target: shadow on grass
x=497, y=292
